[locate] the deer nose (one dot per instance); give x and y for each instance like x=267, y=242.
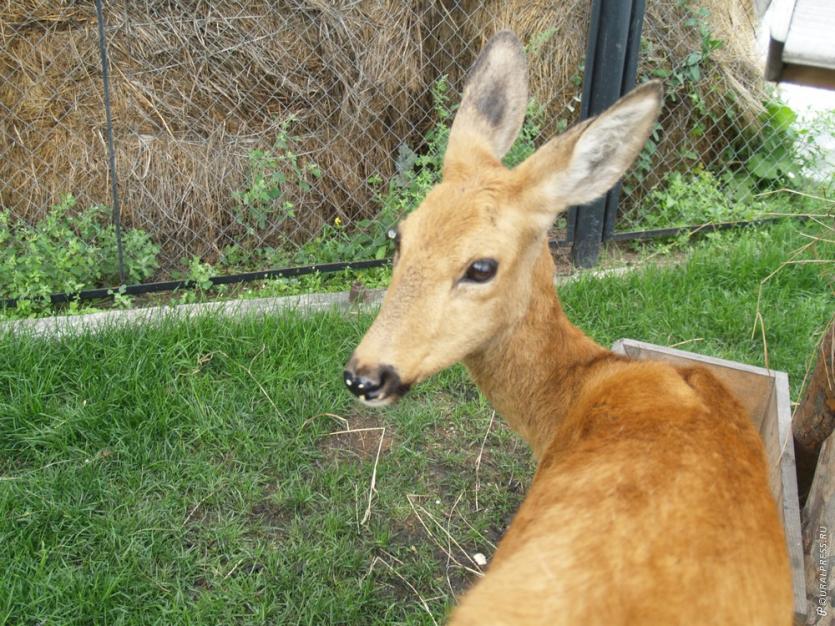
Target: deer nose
x=373, y=383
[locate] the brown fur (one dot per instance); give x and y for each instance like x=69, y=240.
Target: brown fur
x=650, y=504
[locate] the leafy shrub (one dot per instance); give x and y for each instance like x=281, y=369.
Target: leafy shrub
x=686, y=199
x=274, y=176
x=68, y=251
x=417, y=173
x=777, y=152
x=684, y=80
x=784, y=152
x=277, y=172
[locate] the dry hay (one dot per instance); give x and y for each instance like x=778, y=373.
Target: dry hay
x=197, y=85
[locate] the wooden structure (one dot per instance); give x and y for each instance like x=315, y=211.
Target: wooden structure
x=765, y=395
x=814, y=417
x=801, y=46
x=818, y=535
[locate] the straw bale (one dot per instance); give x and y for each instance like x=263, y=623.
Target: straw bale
x=197, y=85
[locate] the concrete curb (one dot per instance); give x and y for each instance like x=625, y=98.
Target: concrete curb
x=68, y=324
x=341, y=301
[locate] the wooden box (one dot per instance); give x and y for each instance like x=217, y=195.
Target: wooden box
x=765, y=395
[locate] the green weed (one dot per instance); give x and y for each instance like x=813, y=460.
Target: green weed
x=68, y=250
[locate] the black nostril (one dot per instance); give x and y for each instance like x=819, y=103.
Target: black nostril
x=377, y=383
x=364, y=387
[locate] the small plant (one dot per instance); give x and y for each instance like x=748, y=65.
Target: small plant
x=417, y=174
x=534, y=46
x=121, y=300
x=688, y=199
x=277, y=174
x=238, y=257
x=697, y=19
x=274, y=176
x=199, y=277
x=68, y=250
x=784, y=152
x=644, y=163
x=526, y=143
x=200, y=274
x=682, y=81
x=775, y=153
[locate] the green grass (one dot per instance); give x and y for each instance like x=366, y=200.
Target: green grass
x=187, y=472
x=708, y=303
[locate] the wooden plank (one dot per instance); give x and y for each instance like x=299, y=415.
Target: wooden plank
x=764, y=394
x=818, y=538
x=809, y=40
x=789, y=502
x=781, y=18
x=770, y=434
x=822, y=78
x=800, y=47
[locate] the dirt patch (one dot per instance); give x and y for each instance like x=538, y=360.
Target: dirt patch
x=270, y=514
x=357, y=438
x=267, y=518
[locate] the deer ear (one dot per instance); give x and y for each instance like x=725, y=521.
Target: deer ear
x=493, y=106
x=585, y=162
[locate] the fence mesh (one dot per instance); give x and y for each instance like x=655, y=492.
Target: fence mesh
x=253, y=134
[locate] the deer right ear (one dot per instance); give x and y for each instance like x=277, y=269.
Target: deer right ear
x=583, y=163
x=493, y=106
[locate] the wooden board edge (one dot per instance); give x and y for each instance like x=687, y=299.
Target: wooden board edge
x=621, y=346
x=790, y=501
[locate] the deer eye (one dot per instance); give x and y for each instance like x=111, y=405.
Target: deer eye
x=481, y=271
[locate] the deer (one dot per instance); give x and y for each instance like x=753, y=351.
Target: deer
x=650, y=501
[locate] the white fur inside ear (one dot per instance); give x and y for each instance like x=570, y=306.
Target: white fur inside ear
x=606, y=150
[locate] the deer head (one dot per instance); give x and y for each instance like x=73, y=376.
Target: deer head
x=466, y=266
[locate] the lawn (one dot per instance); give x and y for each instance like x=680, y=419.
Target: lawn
x=200, y=472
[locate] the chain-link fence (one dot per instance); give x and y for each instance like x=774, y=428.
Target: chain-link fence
x=252, y=134
x=726, y=148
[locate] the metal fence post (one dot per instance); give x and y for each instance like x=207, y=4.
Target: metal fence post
x=610, y=68
x=111, y=151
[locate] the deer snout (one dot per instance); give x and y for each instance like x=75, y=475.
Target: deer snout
x=375, y=385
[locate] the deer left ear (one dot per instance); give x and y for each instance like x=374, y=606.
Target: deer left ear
x=493, y=106
x=585, y=162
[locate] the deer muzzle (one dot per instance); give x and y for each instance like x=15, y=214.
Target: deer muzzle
x=376, y=385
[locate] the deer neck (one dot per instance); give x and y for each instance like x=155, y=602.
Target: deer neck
x=533, y=372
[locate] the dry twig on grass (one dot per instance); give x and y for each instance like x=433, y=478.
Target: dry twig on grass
x=420, y=511
x=686, y=341
x=347, y=430
x=478, y=460
x=759, y=321
x=391, y=568
x=793, y=192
